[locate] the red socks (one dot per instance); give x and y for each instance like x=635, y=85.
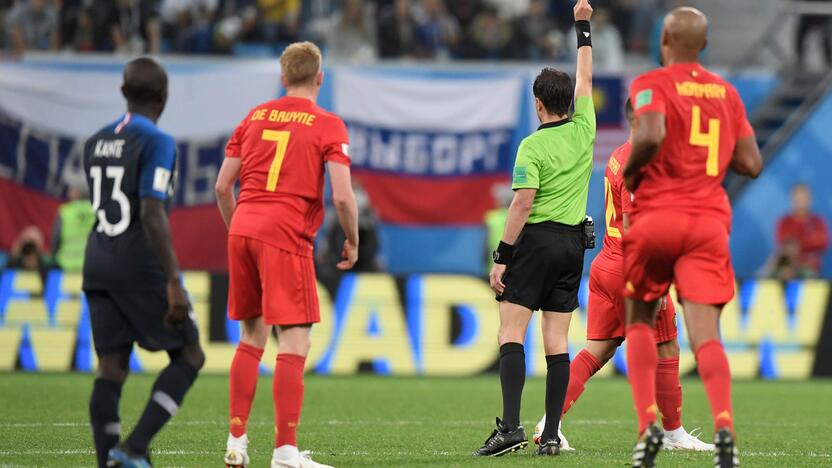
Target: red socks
x=583, y=367
x=716, y=376
x=288, y=397
x=642, y=362
x=242, y=381
x=669, y=393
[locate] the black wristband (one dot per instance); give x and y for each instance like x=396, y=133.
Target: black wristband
x=503, y=254
x=583, y=32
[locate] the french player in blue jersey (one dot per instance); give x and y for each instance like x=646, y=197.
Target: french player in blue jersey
x=132, y=280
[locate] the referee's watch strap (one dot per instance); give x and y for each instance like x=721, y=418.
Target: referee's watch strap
x=584, y=33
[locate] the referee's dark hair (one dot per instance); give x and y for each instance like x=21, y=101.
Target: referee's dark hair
x=629, y=112
x=554, y=89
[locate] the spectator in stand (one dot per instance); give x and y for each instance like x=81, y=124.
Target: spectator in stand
x=352, y=37
x=464, y=11
x=510, y=9
x=28, y=252
x=397, y=31
x=188, y=24
x=808, y=23
x=126, y=26
x=438, y=31
x=33, y=25
x=280, y=20
x=83, y=34
x=72, y=227
x=607, y=46
x=536, y=35
x=802, y=238
x=236, y=21
x=488, y=36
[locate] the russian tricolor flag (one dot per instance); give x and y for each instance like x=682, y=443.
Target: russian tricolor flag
x=428, y=150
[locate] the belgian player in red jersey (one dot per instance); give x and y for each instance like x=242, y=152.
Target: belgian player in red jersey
x=606, y=317
x=278, y=153
x=691, y=128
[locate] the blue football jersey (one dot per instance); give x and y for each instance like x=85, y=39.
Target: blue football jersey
x=126, y=161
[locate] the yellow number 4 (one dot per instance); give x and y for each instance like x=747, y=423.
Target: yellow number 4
x=708, y=140
x=610, y=210
x=281, y=138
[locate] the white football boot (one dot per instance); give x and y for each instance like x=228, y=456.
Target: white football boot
x=680, y=439
x=538, y=431
x=236, y=452
x=288, y=456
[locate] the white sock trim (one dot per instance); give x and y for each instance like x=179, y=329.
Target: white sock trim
x=286, y=452
x=166, y=402
x=112, y=428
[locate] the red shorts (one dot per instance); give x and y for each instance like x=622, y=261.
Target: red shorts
x=268, y=281
x=606, y=317
x=665, y=246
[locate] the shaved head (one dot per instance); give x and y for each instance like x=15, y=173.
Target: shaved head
x=145, y=86
x=684, y=35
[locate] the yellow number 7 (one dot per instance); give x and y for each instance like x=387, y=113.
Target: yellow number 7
x=708, y=140
x=281, y=138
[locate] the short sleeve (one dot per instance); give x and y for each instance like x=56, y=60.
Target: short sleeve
x=526, y=172
x=647, y=96
x=744, y=128
x=234, y=147
x=584, y=115
x=157, y=167
x=336, y=143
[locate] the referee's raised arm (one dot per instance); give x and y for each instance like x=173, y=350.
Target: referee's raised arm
x=583, y=74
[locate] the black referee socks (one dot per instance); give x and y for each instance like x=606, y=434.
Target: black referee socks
x=512, y=379
x=557, y=381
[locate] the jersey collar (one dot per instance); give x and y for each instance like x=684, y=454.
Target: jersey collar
x=555, y=124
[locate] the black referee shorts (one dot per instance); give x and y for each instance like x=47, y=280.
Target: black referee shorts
x=120, y=318
x=545, y=273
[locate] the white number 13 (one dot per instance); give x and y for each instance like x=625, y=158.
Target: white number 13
x=104, y=225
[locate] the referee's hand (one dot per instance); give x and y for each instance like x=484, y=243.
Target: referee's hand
x=496, y=278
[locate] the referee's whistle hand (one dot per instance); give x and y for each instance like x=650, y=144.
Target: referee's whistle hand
x=496, y=278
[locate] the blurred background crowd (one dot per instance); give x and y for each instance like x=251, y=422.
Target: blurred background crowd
x=352, y=31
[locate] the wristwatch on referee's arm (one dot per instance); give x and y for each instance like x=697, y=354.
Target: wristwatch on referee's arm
x=503, y=253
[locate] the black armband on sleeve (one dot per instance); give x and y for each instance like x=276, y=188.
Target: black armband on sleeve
x=582, y=29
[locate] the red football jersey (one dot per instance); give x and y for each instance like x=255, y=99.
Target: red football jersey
x=704, y=117
x=617, y=201
x=283, y=145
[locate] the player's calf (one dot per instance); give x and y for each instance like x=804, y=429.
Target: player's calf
x=166, y=397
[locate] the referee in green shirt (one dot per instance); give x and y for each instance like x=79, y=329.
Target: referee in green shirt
x=539, y=262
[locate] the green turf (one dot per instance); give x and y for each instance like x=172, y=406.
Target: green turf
x=391, y=422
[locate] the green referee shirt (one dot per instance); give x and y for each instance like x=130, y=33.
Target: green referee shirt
x=557, y=161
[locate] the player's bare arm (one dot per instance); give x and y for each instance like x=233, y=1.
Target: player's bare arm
x=518, y=214
x=347, y=210
x=156, y=228
x=583, y=74
x=747, y=159
x=647, y=140
x=224, y=188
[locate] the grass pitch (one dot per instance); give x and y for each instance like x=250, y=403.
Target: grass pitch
x=392, y=422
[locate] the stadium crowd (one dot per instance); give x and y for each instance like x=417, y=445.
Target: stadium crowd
x=354, y=31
